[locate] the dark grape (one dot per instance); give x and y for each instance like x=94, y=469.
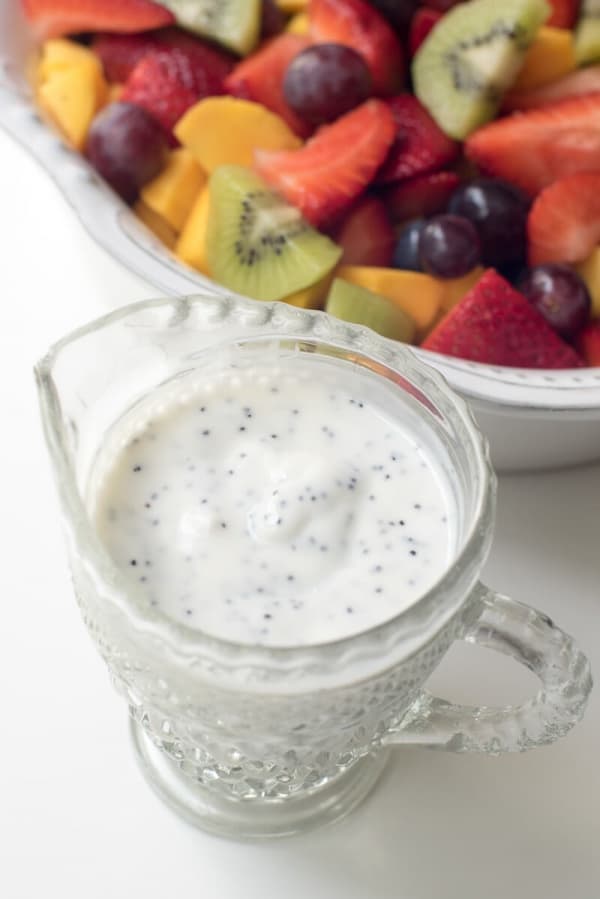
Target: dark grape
x=406, y=251
x=127, y=146
x=272, y=21
x=325, y=81
x=499, y=212
x=397, y=12
x=449, y=246
x=560, y=295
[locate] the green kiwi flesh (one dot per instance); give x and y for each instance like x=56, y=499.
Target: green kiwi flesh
x=363, y=307
x=233, y=23
x=259, y=245
x=587, y=33
x=471, y=58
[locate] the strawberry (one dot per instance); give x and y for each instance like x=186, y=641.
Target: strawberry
x=51, y=18
x=576, y=84
x=260, y=78
x=588, y=343
x=166, y=83
x=358, y=25
x=533, y=149
x=564, y=221
x=120, y=53
x=333, y=168
x=366, y=234
x=420, y=197
x=421, y=24
x=420, y=145
x=495, y=324
x=564, y=13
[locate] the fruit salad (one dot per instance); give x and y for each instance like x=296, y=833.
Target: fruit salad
x=430, y=170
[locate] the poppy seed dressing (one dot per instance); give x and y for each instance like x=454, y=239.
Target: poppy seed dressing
x=273, y=506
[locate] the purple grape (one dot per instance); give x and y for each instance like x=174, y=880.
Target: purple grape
x=325, y=81
x=406, y=251
x=127, y=146
x=449, y=246
x=560, y=295
x=499, y=212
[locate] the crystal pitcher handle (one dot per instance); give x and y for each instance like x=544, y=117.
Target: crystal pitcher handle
x=531, y=638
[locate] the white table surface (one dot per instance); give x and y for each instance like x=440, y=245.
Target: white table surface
x=76, y=819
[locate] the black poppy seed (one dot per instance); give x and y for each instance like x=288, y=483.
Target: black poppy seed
x=388, y=477
x=155, y=522
x=202, y=409
x=267, y=616
x=147, y=505
x=295, y=412
x=313, y=499
x=148, y=563
x=143, y=579
x=372, y=498
x=417, y=506
x=349, y=610
x=206, y=432
x=133, y=562
x=413, y=552
x=137, y=468
x=230, y=471
x=378, y=589
x=290, y=577
x=203, y=502
x=241, y=428
x=324, y=548
x=260, y=589
x=274, y=436
x=154, y=496
x=401, y=522
x=223, y=524
x=153, y=602
x=188, y=611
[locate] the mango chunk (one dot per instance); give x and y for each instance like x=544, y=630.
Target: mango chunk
x=59, y=53
x=173, y=192
x=226, y=131
x=312, y=297
x=298, y=24
x=420, y=296
x=156, y=223
x=551, y=56
x=590, y=272
x=71, y=98
x=454, y=289
x=191, y=246
x=292, y=6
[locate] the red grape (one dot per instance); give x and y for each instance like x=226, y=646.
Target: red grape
x=449, y=246
x=127, y=146
x=560, y=295
x=325, y=81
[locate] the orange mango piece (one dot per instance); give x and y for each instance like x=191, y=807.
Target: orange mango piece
x=550, y=57
x=454, y=289
x=589, y=270
x=420, y=296
x=299, y=24
x=226, y=131
x=191, y=245
x=71, y=99
x=292, y=6
x=156, y=223
x=173, y=192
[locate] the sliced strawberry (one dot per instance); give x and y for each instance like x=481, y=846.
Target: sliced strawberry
x=564, y=13
x=495, y=324
x=333, y=168
x=588, y=343
x=366, y=235
x=120, y=53
x=166, y=83
x=420, y=197
x=420, y=145
x=564, y=221
x=358, y=25
x=51, y=18
x=577, y=84
x=421, y=24
x=260, y=78
x=533, y=149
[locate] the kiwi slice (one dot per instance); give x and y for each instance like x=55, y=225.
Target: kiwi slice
x=471, y=58
x=363, y=307
x=587, y=33
x=233, y=23
x=259, y=245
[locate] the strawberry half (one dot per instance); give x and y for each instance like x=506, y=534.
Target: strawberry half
x=166, y=83
x=588, y=343
x=51, y=18
x=564, y=221
x=356, y=24
x=366, y=235
x=495, y=324
x=420, y=197
x=420, y=145
x=577, y=84
x=260, y=78
x=120, y=53
x=333, y=168
x=535, y=148
x=421, y=24
x=564, y=13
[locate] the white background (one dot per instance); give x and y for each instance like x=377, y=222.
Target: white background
x=76, y=819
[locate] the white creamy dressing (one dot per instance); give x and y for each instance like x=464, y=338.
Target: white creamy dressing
x=274, y=507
